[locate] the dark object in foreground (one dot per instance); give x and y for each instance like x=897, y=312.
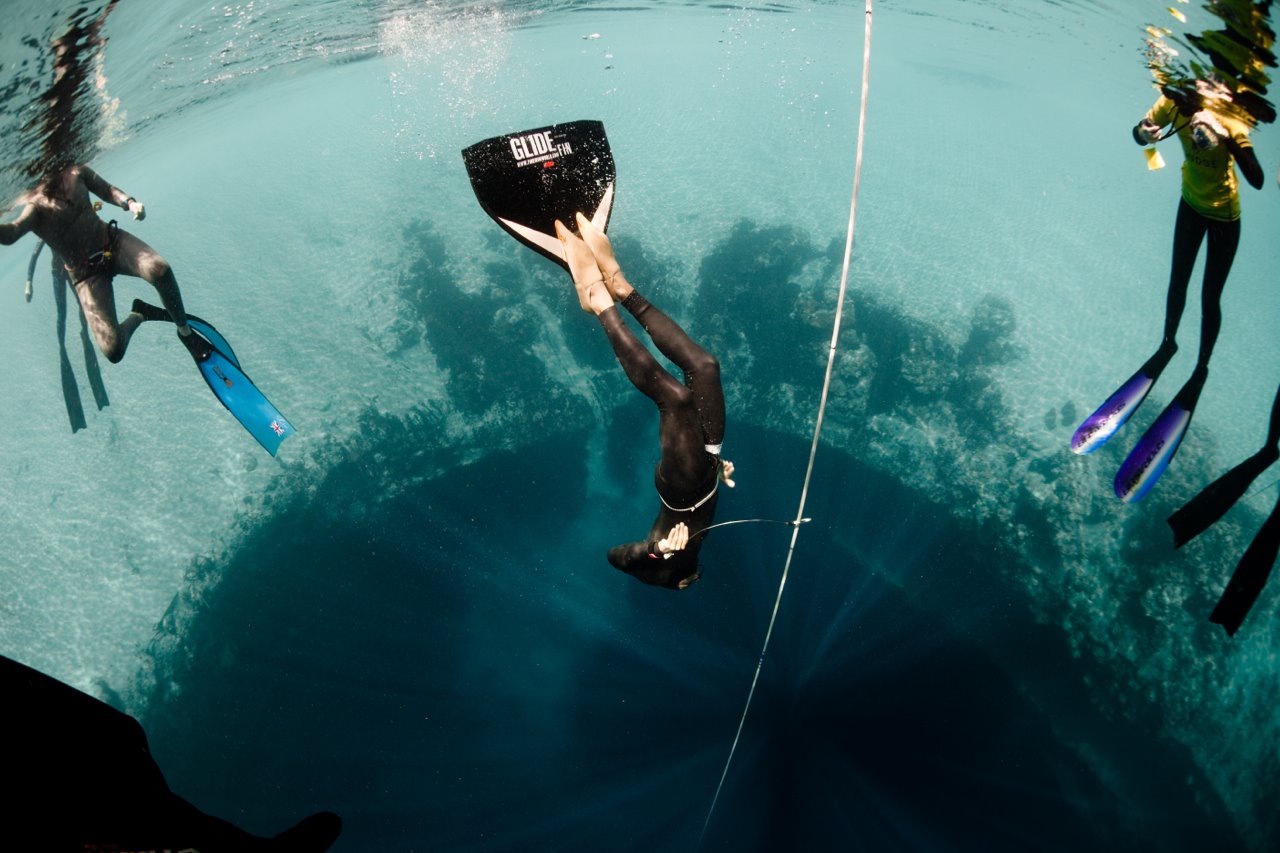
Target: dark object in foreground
x=1202, y=511
x=84, y=779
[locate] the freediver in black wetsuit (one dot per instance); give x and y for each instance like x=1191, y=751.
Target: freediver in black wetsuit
x=691, y=415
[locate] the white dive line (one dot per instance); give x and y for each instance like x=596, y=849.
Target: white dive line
x=822, y=408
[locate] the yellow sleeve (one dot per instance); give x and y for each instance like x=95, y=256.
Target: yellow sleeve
x=1162, y=112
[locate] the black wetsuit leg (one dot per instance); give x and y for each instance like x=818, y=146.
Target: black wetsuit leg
x=1224, y=239
x=1273, y=428
x=690, y=415
x=701, y=369
x=1188, y=233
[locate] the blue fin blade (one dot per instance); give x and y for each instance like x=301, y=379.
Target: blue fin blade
x=243, y=399
x=214, y=337
x=237, y=392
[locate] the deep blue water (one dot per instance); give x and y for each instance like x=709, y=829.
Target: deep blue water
x=447, y=693
x=407, y=617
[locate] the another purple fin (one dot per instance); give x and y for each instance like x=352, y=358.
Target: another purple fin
x=1149, y=459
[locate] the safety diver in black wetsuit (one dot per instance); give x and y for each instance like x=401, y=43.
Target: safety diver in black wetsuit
x=690, y=415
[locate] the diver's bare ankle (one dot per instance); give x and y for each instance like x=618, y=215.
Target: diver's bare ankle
x=593, y=297
x=598, y=298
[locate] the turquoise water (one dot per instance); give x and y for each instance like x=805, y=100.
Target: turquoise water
x=407, y=618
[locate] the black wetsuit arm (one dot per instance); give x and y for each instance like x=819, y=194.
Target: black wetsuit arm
x=11, y=231
x=1247, y=161
x=635, y=559
x=103, y=190
x=632, y=554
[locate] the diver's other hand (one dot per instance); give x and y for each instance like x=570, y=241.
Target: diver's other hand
x=675, y=541
x=137, y=208
x=1147, y=131
x=27, y=290
x=593, y=296
x=726, y=473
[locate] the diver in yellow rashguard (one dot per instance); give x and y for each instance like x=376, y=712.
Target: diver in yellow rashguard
x=1210, y=205
x=1213, y=145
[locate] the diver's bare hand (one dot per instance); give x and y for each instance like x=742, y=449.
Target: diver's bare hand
x=675, y=541
x=726, y=473
x=1148, y=131
x=137, y=208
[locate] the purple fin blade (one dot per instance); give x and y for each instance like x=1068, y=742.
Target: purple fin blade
x=1112, y=414
x=1155, y=450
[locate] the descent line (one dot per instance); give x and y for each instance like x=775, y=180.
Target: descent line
x=822, y=408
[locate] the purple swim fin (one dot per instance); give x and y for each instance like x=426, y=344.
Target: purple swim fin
x=1155, y=450
x=1112, y=414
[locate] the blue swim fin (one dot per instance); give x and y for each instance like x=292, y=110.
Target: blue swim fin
x=1155, y=450
x=221, y=370
x=235, y=390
